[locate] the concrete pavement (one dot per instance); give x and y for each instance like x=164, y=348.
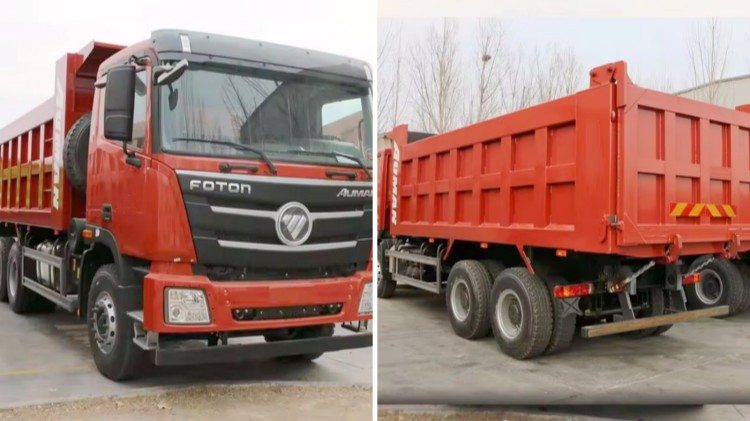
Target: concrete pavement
x=421, y=360
x=45, y=358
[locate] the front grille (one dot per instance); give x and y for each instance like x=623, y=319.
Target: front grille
x=239, y=236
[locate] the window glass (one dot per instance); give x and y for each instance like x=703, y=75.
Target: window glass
x=290, y=117
x=139, y=110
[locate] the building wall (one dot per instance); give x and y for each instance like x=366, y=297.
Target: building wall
x=732, y=92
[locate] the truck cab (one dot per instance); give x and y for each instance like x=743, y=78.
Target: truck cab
x=217, y=187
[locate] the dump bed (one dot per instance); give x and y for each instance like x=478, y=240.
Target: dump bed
x=33, y=187
x=613, y=169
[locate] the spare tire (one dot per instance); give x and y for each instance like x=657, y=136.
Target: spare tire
x=76, y=151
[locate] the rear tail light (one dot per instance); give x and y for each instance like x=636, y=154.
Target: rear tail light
x=691, y=279
x=576, y=290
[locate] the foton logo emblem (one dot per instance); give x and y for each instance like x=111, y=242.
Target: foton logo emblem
x=219, y=186
x=354, y=193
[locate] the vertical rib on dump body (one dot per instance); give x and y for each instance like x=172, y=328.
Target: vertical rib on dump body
x=613, y=169
x=33, y=187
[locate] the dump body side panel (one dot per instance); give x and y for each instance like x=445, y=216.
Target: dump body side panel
x=33, y=186
x=614, y=169
x=539, y=177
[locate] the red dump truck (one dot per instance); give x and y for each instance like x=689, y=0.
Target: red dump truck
x=606, y=209
x=189, y=190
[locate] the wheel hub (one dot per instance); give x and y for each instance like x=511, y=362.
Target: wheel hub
x=12, y=278
x=509, y=314
x=711, y=287
x=460, y=300
x=104, y=322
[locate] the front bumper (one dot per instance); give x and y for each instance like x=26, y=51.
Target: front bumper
x=227, y=354
x=222, y=297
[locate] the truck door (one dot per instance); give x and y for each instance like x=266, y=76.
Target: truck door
x=116, y=189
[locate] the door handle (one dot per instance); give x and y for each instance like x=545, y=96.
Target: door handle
x=107, y=212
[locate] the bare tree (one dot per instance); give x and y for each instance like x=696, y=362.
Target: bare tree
x=660, y=81
x=490, y=57
x=390, y=77
x=708, y=50
x=517, y=88
x=556, y=73
x=436, y=78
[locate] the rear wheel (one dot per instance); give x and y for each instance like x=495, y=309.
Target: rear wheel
x=466, y=298
x=5, y=245
x=564, y=327
x=111, y=330
x=322, y=331
x=668, y=304
x=386, y=284
x=494, y=267
x=721, y=284
x=21, y=300
x=745, y=271
x=652, y=304
x=521, y=313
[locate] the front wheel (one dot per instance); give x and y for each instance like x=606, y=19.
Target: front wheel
x=309, y=332
x=111, y=330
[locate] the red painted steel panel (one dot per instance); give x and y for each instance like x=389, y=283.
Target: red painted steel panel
x=598, y=171
x=33, y=186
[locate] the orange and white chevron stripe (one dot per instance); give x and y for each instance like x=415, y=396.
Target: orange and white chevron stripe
x=695, y=210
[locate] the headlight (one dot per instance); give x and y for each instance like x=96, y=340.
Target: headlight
x=365, y=301
x=186, y=306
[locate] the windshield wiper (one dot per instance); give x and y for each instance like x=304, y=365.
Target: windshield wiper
x=237, y=146
x=333, y=154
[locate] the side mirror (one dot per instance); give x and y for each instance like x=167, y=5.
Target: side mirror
x=168, y=74
x=118, y=103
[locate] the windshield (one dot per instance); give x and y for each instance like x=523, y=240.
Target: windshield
x=289, y=117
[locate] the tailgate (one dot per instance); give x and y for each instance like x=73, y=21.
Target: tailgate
x=683, y=170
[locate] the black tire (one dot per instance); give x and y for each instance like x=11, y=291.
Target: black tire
x=5, y=245
x=534, y=302
x=75, y=154
x=20, y=299
x=386, y=284
x=121, y=359
x=466, y=299
x=655, y=308
x=564, y=327
x=667, y=305
x=308, y=332
x=720, y=274
x=494, y=267
x=745, y=271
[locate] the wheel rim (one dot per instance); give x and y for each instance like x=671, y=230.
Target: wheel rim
x=509, y=313
x=12, y=277
x=710, y=288
x=460, y=299
x=104, y=322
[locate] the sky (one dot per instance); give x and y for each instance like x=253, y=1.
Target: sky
x=651, y=46
x=35, y=34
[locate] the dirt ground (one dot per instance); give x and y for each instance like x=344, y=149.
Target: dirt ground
x=225, y=403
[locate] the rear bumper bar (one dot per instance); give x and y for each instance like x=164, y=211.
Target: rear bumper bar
x=227, y=354
x=637, y=324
